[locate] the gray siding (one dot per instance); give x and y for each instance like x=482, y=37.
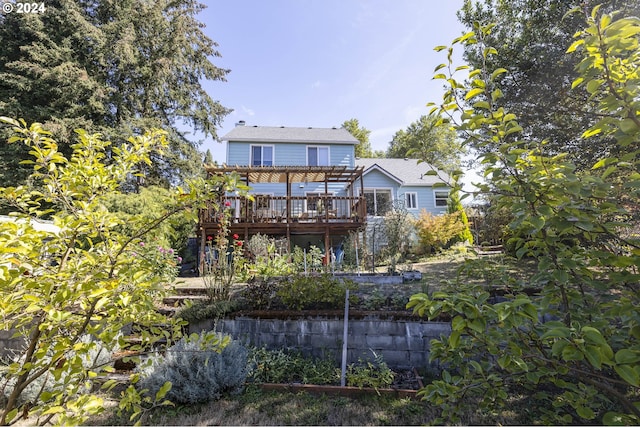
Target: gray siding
x=376, y=179
x=425, y=194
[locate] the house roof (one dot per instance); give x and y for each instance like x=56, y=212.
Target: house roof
x=404, y=171
x=243, y=133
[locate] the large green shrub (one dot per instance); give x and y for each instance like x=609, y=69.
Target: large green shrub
x=321, y=292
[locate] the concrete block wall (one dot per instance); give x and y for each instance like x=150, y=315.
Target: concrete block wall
x=8, y=345
x=403, y=344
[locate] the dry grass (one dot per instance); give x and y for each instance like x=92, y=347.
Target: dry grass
x=261, y=408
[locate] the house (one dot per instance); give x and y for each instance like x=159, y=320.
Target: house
x=309, y=188
x=405, y=183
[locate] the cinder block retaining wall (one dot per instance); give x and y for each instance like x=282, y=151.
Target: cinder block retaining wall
x=9, y=345
x=403, y=344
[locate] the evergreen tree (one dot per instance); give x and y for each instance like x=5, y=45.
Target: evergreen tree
x=114, y=66
x=44, y=77
x=208, y=158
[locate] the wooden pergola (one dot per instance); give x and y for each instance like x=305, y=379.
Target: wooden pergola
x=283, y=217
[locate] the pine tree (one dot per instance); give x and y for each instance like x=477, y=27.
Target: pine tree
x=117, y=67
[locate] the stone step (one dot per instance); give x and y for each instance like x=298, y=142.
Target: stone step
x=178, y=300
x=190, y=290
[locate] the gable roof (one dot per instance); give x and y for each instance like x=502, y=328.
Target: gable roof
x=242, y=133
x=404, y=171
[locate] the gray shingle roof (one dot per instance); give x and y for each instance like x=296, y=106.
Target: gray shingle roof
x=407, y=171
x=290, y=134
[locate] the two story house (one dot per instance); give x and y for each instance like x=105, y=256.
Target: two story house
x=309, y=188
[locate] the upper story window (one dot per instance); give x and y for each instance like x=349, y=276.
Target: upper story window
x=317, y=156
x=441, y=198
x=411, y=200
x=262, y=155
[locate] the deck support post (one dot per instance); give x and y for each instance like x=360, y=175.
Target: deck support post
x=203, y=242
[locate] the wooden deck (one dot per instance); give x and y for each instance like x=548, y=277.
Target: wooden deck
x=284, y=216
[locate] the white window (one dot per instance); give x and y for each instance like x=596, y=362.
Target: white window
x=378, y=201
x=262, y=155
x=411, y=200
x=317, y=156
x=441, y=197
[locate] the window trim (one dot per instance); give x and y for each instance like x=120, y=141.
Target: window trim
x=414, y=198
x=436, y=198
x=318, y=147
x=273, y=154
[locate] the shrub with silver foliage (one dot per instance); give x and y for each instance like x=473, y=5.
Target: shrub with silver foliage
x=199, y=369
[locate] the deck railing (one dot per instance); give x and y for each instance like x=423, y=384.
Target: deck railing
x=294, y=209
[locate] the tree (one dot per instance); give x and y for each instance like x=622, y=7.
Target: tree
x=114, y=67
x=71, y=293
x=171, y=234
x=397, y=231
x=44, y=77
x=572, y=349
x=363, y=148
x=531, y=37
x=454, y=206
x=436, y=145
x=208, y=158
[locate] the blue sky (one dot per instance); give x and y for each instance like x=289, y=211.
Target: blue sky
x=320, y=62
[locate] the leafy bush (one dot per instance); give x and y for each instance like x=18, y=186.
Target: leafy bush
x=269, y=258
x=173, y=233
x=374, y=373
x=455, y=206
x=82, y=278
x=313, y=256
x=199, y=367
x=437, y=232
x=398, y=231
x=261, y=294
x=207, y=310
x=280, y=366
x=323, y=291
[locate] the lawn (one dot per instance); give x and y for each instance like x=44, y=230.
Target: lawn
x=257, y=407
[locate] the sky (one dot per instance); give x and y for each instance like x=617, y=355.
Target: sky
x=319, y=63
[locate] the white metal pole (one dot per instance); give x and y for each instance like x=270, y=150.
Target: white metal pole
x=345, y=335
